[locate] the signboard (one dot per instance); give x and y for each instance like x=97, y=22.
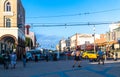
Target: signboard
x=82, y=47
x=116, y=46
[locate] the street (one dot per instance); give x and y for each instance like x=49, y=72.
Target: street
x=63, y=68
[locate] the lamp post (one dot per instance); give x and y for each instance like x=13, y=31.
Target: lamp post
x=94, y=38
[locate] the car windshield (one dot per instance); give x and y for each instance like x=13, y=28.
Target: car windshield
x=91, y=52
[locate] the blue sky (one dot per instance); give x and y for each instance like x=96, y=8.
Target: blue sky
x=38, y=8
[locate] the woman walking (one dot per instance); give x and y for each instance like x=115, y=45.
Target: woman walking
x=13, y=59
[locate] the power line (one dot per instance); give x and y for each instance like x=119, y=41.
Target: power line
x=71, y=22
x=104, y=11
x=67, y=24
x=104, y=22
x=78, y=14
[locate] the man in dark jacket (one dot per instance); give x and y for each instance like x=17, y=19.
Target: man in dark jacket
x=6, y=61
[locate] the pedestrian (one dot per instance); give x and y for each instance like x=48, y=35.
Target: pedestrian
x=6, y=61
x=54, y=57
x=115, y=56
x=77, y=58
x=24, y=60
x=13, y=59
x=46, y=57
x=100, y=56
x=36, y=58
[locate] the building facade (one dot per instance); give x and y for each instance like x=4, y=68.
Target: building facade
x=77, y=39
x=101, y=40
x=31, y=35
x=62, y=45
x=114, y=33
x=80, y=39
x=12, y=30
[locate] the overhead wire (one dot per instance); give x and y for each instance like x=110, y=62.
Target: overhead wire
x=77, y=14
x=68, y=25
x=71, y=24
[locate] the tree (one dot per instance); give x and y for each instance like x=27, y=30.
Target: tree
x=28, y=42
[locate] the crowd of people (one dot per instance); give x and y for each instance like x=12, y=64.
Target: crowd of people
x=101, y=57
x=11, y=59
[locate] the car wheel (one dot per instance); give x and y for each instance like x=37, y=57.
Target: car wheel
x=91, y=60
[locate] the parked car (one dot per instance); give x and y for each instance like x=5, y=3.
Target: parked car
x=38, y=55
x=32, y=54
x=90, y=55
x=29, y=56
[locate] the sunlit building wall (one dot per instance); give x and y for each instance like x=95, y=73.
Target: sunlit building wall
x=62, y=45
x=32, y=36
x=80, y=39
x=12, y=21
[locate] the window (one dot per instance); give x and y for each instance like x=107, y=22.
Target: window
x=8, y=22
x=7, y=7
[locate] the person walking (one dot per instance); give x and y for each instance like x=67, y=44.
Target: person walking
x=13, y=59
x=36, y=58
x=77, y=58
x=6, y=61
x=115, y=56
x=100, y=56
x=46, y=57
x=24, y=60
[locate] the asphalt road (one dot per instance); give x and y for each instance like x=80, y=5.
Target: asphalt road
x=63, y=68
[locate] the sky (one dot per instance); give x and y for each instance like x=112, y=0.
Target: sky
x=40, y=11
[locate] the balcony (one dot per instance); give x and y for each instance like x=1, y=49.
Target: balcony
x=8, y=13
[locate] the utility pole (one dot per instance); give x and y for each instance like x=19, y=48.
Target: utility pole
x=109, y=34
x=94, y=38
x=76, y=41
